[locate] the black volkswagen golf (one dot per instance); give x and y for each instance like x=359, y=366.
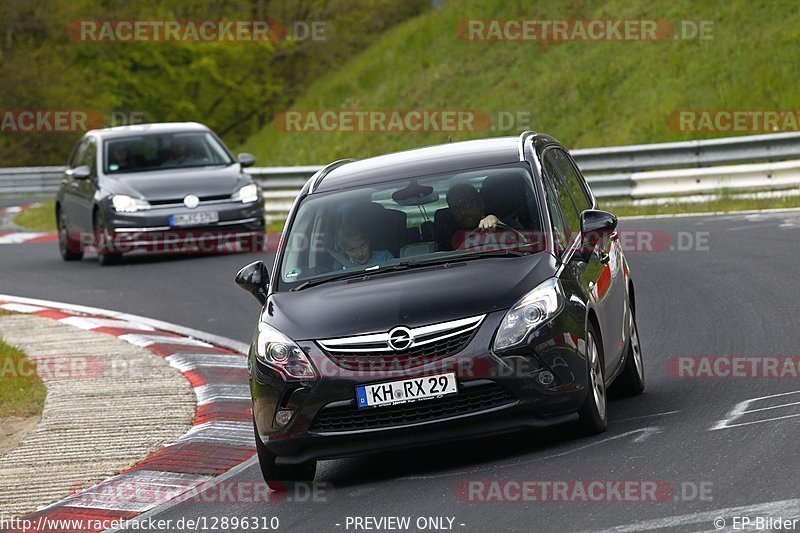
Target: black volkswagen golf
x=446, y=292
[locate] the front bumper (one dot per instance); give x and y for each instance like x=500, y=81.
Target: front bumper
x=497, y=393
x=240, y=226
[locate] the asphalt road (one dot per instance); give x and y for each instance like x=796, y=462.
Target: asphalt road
x=735, y=294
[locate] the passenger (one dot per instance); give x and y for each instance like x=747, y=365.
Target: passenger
x=357, y=249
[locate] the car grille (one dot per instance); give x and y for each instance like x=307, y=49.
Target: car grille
x=178, y=202
x=429, y=343
x=469, y=399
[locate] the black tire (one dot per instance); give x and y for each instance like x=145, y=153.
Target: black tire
x=593, y=414
x=69, y=248
x=631, y=381
x=282, y=477
x=104, y=256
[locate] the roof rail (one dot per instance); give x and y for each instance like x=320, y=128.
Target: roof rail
x=522, y=138
x=325, y=170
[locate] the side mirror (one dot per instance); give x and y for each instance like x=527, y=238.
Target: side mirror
x=596, y=225
x=246, y=160
x=79, y=173
x=254, y=278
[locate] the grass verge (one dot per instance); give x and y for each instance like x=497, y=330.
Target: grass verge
x=39, y=218
x=22, y=392
x=722, y=204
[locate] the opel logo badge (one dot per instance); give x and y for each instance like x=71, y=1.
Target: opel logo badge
x=191, y=201
x=400, y=339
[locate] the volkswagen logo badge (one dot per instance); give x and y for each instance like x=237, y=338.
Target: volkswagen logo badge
x=400, y=339
x=191, y=201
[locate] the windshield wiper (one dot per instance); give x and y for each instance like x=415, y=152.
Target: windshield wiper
x=380, y=269
x=319, y=281
x=361, y=274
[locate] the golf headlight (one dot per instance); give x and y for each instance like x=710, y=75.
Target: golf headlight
x=247, y=194
x=282, y=354
x=126, y=204
x=537, y=307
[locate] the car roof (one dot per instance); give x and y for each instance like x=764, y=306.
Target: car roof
x=450, y=157
x=154, y=128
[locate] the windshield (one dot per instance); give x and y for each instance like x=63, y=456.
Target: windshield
x=411, y=221
x=163, y=151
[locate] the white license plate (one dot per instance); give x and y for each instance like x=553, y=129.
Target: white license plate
x=412, y=389
x=194, y=219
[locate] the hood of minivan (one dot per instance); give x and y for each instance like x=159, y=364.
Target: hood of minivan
x=407, y=298
x=176, y=183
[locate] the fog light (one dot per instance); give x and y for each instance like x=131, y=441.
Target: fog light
x=283, y=416
x=546, y=378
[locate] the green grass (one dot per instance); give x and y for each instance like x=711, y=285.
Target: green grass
x=720, y=205
x=22, y=392
x=584, y=93
x=39, y=218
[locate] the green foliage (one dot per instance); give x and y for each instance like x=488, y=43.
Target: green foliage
x=233, y=87
x=585, y=93
x=39, y=218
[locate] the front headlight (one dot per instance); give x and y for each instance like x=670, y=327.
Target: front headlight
x=247, y=194
x=126, y=204
x=282, y=354
x=537, y=307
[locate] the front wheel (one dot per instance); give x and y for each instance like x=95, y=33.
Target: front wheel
x=102, y=243
x=631, y=381
x=280, y=477
x=592, y=416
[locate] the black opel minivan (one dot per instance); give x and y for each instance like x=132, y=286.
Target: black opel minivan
x=439, y=293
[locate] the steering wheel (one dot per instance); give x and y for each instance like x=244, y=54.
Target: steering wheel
x=513, y=230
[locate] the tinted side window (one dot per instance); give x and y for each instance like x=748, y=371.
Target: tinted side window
x=563, y=197
x=90, y=157
x=560, y=233
x=573, y=181
x=78, y=153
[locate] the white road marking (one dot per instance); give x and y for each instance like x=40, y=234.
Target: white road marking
x=19, y=237
x=147, y=340
x=93, y=323
x=22, y=308
x=666, y=413
x=741, y=409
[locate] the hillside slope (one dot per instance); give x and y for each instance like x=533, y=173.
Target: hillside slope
x=585, y=93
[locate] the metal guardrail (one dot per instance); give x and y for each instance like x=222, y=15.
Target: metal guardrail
x=634, y=171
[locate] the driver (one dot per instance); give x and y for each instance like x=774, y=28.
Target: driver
x=467, y=207
x=467, y=217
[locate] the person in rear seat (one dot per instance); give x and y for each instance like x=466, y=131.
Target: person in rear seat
x=356, y=250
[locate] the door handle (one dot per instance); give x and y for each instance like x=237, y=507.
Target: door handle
x=74, y=185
